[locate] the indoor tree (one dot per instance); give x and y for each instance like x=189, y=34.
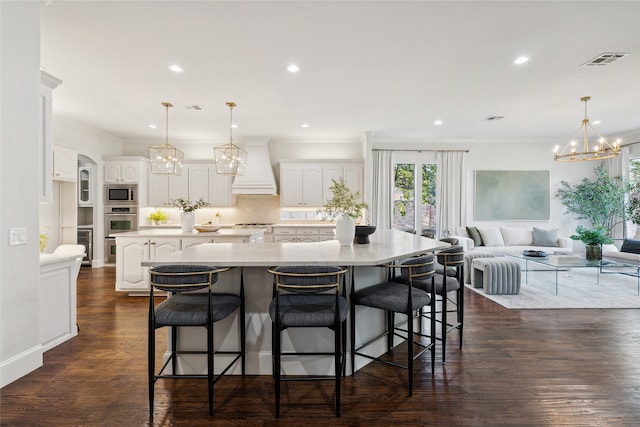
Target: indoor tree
x=600, y=201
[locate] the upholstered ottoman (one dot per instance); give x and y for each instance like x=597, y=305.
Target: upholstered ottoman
x=499, y=276
x=469, y=256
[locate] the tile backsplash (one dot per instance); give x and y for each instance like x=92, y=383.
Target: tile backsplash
x=248, y=209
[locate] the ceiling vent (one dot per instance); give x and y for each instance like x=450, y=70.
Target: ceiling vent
x=604, y=59
x=494, y=118
x=193, y=107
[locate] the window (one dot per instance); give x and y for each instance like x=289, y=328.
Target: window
x=414, y=197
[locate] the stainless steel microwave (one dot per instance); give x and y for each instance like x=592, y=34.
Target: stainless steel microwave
x=121, y=194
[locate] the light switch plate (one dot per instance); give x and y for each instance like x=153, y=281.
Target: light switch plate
x=17, y=236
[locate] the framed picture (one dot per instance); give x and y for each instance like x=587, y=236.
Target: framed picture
x=512, y=195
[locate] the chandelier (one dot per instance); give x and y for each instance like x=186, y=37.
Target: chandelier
x=166, y=159
x=230, y=159
x=600, y=150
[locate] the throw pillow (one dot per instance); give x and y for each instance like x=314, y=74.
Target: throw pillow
x=513, y=236
x=542, y=237
x=491, y=236
x=630, y=246
x=475, y=235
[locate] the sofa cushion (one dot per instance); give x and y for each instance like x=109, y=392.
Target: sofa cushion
x=630, y=246
x=542, y=237
x=516, y=236
x=624, y=257
x=474, y=234
x=491, y=236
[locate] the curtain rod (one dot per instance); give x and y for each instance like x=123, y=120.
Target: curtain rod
x=420, y=151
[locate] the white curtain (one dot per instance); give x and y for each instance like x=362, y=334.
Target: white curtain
x=451, y=193
x=382, y=190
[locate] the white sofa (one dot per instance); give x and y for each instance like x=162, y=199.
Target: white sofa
x=500, y=241
x=629, y=252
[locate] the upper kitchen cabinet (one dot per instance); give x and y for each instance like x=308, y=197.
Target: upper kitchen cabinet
x=352, y=175
x=119, y=172
x=45, y=151
x=85, y=186
x=307, y=184
x=65, y=164
x=198, y=180
x=300, y=185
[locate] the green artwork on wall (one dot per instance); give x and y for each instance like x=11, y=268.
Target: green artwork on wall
x=512, y=195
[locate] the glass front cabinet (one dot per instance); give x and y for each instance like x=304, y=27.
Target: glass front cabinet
x=85, y=186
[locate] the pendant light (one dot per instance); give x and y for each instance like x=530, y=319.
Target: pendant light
x=166, y=159
x=601, y=149
x=230, y=159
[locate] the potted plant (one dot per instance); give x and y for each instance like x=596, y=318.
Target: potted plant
x=345, y=205
x=601, y=201
x=593, y=239
x=156, y=217
x=187, y=212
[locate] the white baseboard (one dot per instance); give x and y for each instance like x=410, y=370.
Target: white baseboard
x=20, y=365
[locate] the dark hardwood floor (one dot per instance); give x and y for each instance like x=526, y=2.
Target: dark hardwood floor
x=529, y=367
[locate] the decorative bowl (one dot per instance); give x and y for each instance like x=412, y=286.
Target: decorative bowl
x=207, y=228
x=362, y=233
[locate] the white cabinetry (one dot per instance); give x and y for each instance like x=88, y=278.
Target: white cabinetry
x=65, y=164
x=300, y=185
x=121, y=172
x=307, y=184
x=85, y=186
x=303, y=234
x=45, y=148
x=197, y=180
x=131, y=251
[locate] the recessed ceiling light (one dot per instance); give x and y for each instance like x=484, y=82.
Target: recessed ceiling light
x=521, y=60
x=234, y=126
x=152, y=126
x=437, y=122
x=596, y=122
x=305, y=125
x=176, y=68
x=293, y=68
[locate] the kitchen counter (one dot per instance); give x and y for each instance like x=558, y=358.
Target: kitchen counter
x=385, y=246
x=253, y=260
x=177, y=232
x=306, y=224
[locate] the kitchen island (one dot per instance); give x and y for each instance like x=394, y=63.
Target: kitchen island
x=252, y=262
x=134, y=247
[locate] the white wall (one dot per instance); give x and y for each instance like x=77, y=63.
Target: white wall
x=20, y=349
x=514, y=156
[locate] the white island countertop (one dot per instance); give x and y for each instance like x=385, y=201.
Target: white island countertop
x=176, y=232
x=385, y=246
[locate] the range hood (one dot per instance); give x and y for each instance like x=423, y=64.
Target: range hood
x=258, y=175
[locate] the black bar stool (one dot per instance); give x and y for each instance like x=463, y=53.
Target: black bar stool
x=185, y=306
x=308, y=297
x=395, y=297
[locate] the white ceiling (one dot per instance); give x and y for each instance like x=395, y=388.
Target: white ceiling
x=390, y=68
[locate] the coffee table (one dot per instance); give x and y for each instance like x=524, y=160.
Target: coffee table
x=561, y=262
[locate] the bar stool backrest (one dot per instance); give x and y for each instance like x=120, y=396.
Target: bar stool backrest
x=451, y=257
x=307, y=279
x=183, y=278
x=418, y=268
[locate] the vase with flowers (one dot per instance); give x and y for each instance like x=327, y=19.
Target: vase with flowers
x=346, y=207
x=187, y=210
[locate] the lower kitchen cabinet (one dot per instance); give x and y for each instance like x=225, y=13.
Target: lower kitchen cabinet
x=131, y=251
x=302, y=234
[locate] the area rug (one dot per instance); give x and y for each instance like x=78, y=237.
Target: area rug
x=577, y=288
